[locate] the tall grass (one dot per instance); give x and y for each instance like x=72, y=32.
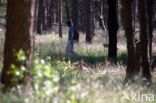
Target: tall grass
x=101, y=82
x=1, y=45
x=51, y=45
x=104, y=84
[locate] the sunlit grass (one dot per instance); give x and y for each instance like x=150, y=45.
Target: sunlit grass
x=1, y=43
x=104, y=84
x=101, y=82
x=53, y=46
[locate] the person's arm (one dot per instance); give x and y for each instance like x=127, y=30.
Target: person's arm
x=72, y=36
x=72, y=33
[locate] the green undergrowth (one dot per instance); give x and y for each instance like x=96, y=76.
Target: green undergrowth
x=60, y=82
x=57, y=80
x=1, y=41
x=92, y=54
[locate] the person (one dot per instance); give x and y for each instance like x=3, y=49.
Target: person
x=70, y=41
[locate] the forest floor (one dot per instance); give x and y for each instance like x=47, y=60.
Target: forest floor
x=94, y=79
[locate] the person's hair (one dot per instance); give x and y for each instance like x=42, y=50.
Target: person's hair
x=69, y=23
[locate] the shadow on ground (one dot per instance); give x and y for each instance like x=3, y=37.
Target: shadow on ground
x=89, y=59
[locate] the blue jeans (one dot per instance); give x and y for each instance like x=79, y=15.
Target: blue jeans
x=69, y=49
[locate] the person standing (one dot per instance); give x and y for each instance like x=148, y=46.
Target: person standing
x=70, y=42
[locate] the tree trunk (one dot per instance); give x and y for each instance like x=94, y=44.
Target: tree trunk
x=50, y=14
x=88, y=21
x=75, y=13
x=144, y=38
x=0, y=2
x=126, y=17
x=19, y=36
x=150, y=26
x=60, y=17
x=67, y=10
x=112, y=29
x=44, y=19
x=57, y=11
x=99, y=11
x=105, y=13
x=36, y=9
x=82, y=18
x=101, y=14
x=154, y=14
x=134, y=12
x=92, y=19
x=39, y=18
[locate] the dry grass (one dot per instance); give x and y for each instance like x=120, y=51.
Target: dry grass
x=99, y=83
x=103, y=84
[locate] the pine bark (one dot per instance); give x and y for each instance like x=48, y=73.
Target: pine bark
x=44, y=17
x=49, y=13
x=39, y=18
x=82, y=18
x=112, y=29
x=19, y=36
x=88, y=21
x=67, y=10
x=144, y=38
x=75, y=13
x=92, y=19
x=60, y=17
x=150, y=25
x=126, y=16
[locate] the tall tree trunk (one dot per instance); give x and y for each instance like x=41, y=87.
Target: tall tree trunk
x=154, y=14
x=75, y=13
x=101, y=14
x=19, y=36
x=98, y=6
x=92, y=19
x=60, y=17
x=150, y=26
x=112, y=29
x=0, y=2
x=105, y=13
x=67, y=10
x=50, y=14
x=144, y=38
x=44, y=19
x=57, y=11
x=36, y=9
x=126, y=16
x=82, y=18
x=134, y=12
x=88, y=21
x=40, y=18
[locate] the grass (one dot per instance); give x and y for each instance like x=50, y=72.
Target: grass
x=1, y=43
x=103, y=85
x=100, y=82
x=2, y=11
x=51, y=45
